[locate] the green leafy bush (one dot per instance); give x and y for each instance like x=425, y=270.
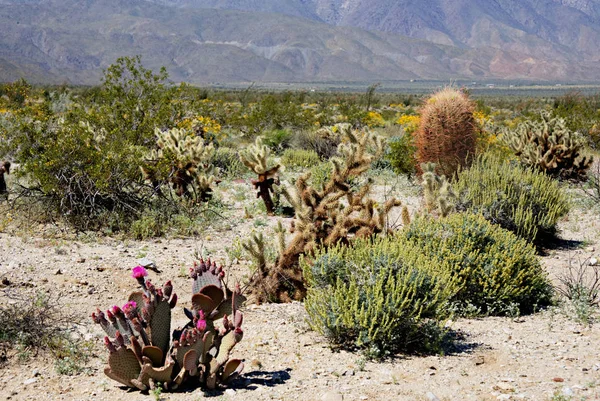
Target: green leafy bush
x=402, y=154
x=277, y=139
x=85, y=160
x=383, y=294
x=523, y=201
x=227, y=162
x=379, y=296
x=495, y=270
x=323, y=141
x=320, y=173
x=300, y=158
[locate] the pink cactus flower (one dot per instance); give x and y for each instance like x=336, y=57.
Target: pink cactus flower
x=129, y=308
x=139, y=272
x=201, y=325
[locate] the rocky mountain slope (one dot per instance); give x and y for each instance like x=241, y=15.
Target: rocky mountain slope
x=237, y=41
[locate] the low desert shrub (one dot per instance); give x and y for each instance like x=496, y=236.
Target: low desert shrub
x=323, y=141
x=523, y=201
x=495, y=270
x=33, y=324
x=278, y=139
x=401, y=154
x=376, y=295
x=320, y=173
x=227, y=162
x=300, y=158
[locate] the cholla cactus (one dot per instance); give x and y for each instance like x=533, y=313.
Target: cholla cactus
x=187, y=160
x=321, y=218
x=4, y=169
x=138, y=334
x=549, y=146
x=256, y=158
x=438, y=192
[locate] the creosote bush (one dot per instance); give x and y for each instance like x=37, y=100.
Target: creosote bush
x=526, y=202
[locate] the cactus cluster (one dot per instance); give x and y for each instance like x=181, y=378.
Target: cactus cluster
x=447, y=131
x=138, y=339
x=438, y=194
x=549, y=146
x=256, y=158
x=323, y=217
x=185, y=161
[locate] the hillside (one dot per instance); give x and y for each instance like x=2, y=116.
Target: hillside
x=71, y=41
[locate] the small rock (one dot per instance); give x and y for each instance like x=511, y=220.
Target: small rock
x=590, y=249
x=5, y=281
x=80, y=260
x=30, y=381
x=35, y=372
x=332, y=396
x=593, y=261
x=58, y=272
x=146, y=262
x=568, y=392
x=504, y=397
x=348, y=373
x=230, y=392
x=91, y=290
x=479, y=360
x=558, y=380
x=504, y=388
x=431, y=397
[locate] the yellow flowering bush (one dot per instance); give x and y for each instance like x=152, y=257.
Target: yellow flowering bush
x=409, y=122
x=373, y=119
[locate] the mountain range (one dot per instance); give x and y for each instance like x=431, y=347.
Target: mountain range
x=240, y=41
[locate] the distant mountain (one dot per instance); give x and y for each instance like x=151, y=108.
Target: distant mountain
x=238, y=41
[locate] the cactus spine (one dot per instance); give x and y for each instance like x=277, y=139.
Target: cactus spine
x=447, y=131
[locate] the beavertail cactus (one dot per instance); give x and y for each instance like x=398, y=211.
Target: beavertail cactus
x=139, y=333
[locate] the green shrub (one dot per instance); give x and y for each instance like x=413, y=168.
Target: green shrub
x=324, y=141
x=227, y=162
x=383, y=294
x=319, y=174
x=278, y=139
x=85, y=161
x=523, y=201
x=496, y=270
x=402, y=154
x=300, y=158
x=379, y=296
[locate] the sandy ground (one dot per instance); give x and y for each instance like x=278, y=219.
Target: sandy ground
x=535, y=357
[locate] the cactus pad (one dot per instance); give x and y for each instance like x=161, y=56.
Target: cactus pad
x=139, y=333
